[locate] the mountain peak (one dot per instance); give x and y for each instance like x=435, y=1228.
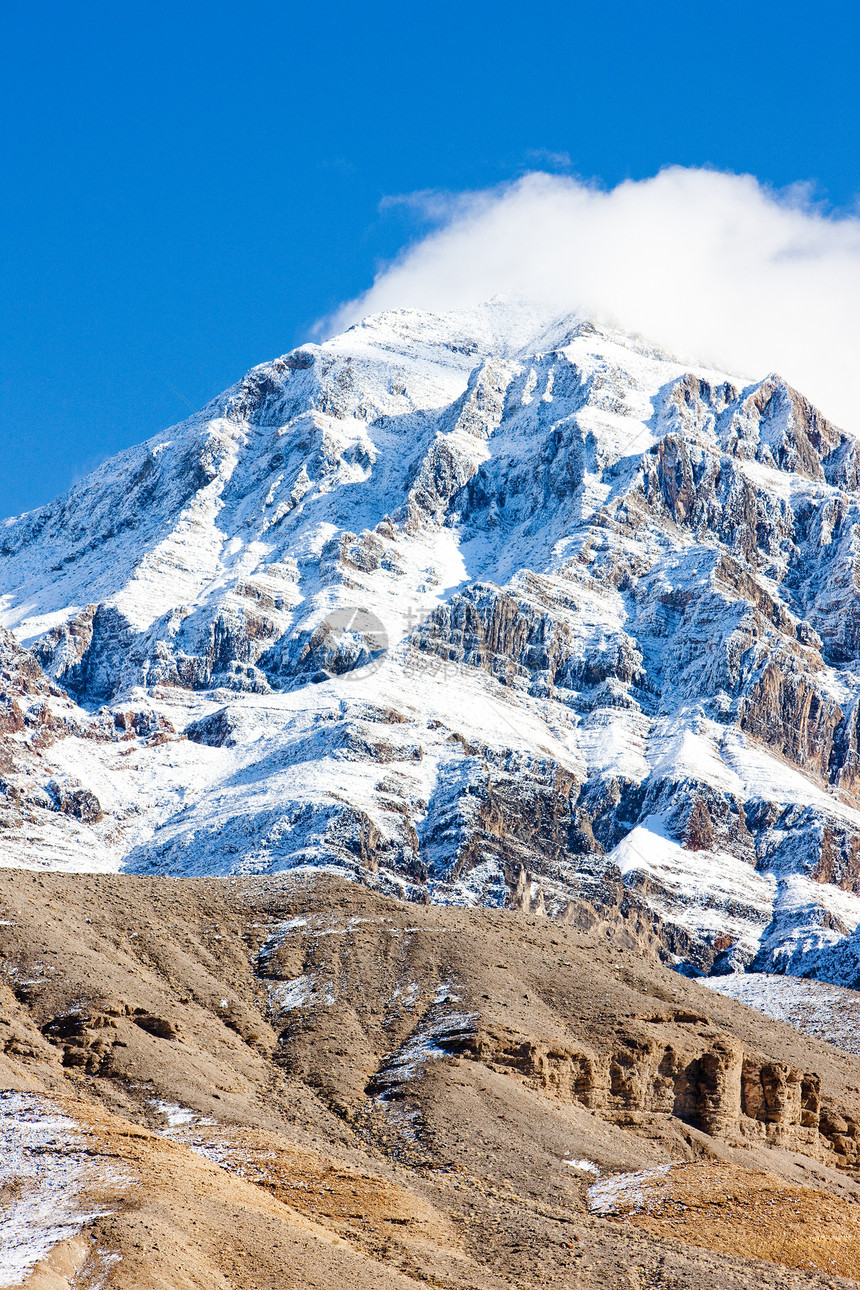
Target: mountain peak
x=496, y=606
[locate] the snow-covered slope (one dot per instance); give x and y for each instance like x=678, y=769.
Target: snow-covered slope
x=491, y=606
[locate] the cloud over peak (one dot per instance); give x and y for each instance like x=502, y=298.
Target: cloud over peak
x=710, y=265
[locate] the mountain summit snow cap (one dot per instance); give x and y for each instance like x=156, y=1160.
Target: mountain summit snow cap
x=708, y=264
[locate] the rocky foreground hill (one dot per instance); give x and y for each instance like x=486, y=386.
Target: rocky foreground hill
x=290, y=1083
x=488, y=608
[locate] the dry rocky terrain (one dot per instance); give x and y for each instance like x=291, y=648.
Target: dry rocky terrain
x=290, y=1082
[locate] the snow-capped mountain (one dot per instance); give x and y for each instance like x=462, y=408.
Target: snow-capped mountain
x=484, y=607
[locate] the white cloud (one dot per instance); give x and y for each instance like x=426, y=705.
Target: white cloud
x=708, y=264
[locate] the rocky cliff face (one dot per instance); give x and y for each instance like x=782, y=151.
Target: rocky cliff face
x=490, y=607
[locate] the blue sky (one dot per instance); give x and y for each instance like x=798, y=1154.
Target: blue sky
x=187, y=188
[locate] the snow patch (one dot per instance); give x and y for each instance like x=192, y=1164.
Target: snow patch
x=584, y=1166
x=624, y=1193
x=828, y=1012
x=49, y=1182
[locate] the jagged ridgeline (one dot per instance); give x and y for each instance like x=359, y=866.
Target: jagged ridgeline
x=490, y=607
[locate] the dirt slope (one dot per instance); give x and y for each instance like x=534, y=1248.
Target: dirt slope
x=292, y=1083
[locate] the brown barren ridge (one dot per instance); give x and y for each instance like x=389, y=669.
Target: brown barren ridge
x=292, y=1083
